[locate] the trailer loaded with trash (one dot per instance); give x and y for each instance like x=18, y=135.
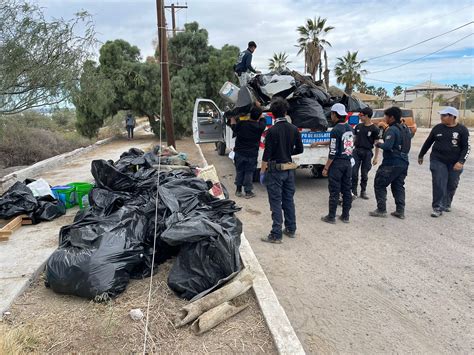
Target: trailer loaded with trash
x=310, y=107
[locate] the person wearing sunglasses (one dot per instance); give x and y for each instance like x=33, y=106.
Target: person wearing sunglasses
x=450, y=141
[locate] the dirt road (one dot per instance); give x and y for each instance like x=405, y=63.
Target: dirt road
x=374, y=285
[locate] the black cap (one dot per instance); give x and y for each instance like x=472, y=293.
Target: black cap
x=367, y=111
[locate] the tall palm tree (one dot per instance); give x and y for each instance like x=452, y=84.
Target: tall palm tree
x=349, y=70
x=397, y=90
x=362, y=87
x=278, y=62
x=312, y=44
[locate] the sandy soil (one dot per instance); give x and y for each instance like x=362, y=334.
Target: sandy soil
x=374, y=285
x=42, y=321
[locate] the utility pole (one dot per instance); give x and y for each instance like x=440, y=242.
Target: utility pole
x=165, y=75
x=175, y=8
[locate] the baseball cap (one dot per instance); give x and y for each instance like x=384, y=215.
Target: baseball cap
x=449, y=111
x=340, y=109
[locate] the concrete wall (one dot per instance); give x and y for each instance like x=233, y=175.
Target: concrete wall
x=421, y=111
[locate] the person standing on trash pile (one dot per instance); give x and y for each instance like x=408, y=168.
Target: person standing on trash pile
x=243, y=67
x=450, y=150
x=366, y=134
x=130, y=125
x=338, y=167
x=247, y=142
x=278, y=171
x=394, y=168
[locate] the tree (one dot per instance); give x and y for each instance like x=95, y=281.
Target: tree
x=93, y=98
x=362, y=87
x=371, y=90
x=312, y=44
x=381, y=92
x=278, y=62
x=40, y=61
x=397, y=90
x=122, y=81
x=348, y=71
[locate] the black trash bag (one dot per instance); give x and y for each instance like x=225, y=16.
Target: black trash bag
x=306, y=112
x=209, y=254
x=16, y=201
x=109, y=177
x=317, y=93
x=48, y=209
x=98, y=255
x=352, y=104
x=207, y=231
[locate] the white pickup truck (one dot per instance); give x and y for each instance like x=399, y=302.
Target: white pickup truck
x=209, y=126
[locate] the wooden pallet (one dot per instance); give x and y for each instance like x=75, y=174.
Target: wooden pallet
x=13, y=225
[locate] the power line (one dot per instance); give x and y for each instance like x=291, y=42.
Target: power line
x=423, y=57
x=416, y=44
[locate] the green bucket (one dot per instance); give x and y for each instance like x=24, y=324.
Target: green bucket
x=65, y=194
x=81, y=193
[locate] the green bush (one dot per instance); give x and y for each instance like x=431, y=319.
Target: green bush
x=31, y=137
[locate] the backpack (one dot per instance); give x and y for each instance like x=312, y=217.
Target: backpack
x=405, y=138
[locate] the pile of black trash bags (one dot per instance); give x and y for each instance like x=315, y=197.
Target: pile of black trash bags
x=310, y=104
x=19, y=200
x=114, y=239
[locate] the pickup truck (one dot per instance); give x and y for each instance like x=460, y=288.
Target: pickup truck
x=209, y=126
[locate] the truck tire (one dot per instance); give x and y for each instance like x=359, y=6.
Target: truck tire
x=317, y=171
x=221, y=148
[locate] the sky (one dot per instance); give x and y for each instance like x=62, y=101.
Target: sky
x=373, y=28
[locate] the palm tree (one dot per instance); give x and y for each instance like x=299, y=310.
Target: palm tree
x=382, y=93
x=312, y=44
x=349, y=70
x=278, y=62
x=397, y=90
x=362, y=87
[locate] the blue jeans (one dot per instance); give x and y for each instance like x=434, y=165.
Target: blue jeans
x=130, y=131
x=445, y=183
x=245, y=169
x=281, y=190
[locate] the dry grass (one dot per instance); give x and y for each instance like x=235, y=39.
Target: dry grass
x=42, y=321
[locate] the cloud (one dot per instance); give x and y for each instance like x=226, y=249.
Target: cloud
x=372, y=27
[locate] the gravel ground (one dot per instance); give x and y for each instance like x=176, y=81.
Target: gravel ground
x=374, y=285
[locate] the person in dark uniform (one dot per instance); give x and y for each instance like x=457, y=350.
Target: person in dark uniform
x=451, y=148
x=278, y=171
x=247, y=142
x=243, y=67
x=394, y=168
x=366, y=134
x=338, y=167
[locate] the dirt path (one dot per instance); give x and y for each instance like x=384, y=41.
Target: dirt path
x=374, y=285
x=43, y=321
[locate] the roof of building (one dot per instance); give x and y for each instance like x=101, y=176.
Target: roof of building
x=413, y=95
x=428, y=85
x=365, y=97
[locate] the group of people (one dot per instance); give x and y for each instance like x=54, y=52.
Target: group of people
x=350, y=151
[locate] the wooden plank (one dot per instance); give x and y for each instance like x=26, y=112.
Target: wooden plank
x=13, y=225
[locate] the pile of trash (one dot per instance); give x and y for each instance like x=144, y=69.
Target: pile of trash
x=310, y=104
x=135, y=213
x=32, y=198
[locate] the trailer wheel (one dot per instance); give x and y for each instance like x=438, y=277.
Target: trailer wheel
x=221, y=148
x=317, y=171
